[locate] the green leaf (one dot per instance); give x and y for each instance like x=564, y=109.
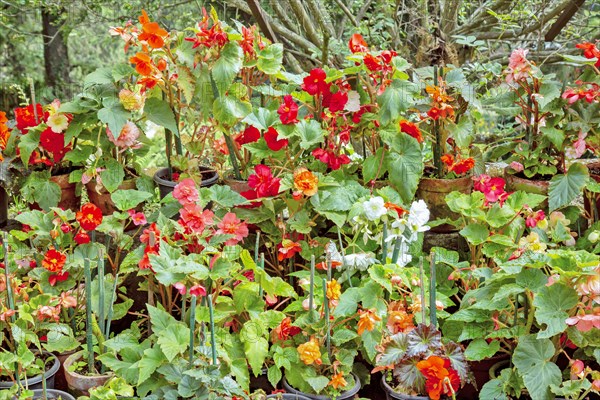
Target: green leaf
x=310, y=132
x=532, y=359
x=479, y=349
x=115, y=116
x=373, y=166
x=127, y=199
x=342, y=335
x=404, y=164
x=227, y=66
x=28, y=143
x=565, y=188
x=270, y=59
x=224, y=196
x=262, y=118
x=301, y=222
x=348, y=302
x=274, y=375
x=552, y=303
x=476, y=234
x=44, y=192
x=174, y=340
x=112, y=176
x=318, y=383
x=554, y=135
x=150, y=361
x=160, y=112
x=229, y=110
x=257, y=349
x=396, y=99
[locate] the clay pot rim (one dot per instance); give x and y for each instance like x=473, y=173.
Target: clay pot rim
x=74, y=357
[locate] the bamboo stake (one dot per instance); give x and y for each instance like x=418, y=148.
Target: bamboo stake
x=432, y=307
x=192, y=328
x=101, y=290
x=88, y=315
x=422, y=272
x=212, y=330
x=312, y=284
x=10, y=295
x=262, y=267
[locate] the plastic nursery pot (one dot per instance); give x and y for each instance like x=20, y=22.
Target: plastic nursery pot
x=348, y=394
x=81, y=384
x=434, y=191
x=51, y=394
x=390, y=394
x=99, y=196
x=166, y=186
x=287, y=396
x=36, y=381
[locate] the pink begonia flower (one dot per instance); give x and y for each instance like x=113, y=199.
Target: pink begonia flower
x=590, y=286
x=138, y=218
x=231, y=225
x=87, y=177
x=578, y=148
x=517, y=166
x=198, y=290
x=518, y=66
x=185, y=192
x=584, y=323
x=127, y=137
x=194, y=218
x=180, y=288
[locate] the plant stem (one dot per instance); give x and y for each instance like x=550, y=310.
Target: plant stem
x=192, y=328
x=88, y=315
x=256, y=245
x=384, y=244
x=326, y=306
x=432, y=307
x=312, y=284
x=396, y=252
x=422, y=278
x=212, y=330
x=262, y=267
x=113, y=298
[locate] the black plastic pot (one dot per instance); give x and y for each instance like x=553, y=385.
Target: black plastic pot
x=348, y=394
x=390, y=394
x=51, y=395
x=36, y=381
x=166, y=186
x=287, y=396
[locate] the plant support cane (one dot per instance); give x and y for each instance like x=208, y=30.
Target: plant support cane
x=432, y=306
x=9, y=294
x=88, y=315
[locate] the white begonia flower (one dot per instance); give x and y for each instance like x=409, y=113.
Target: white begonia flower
x=374, y=208
x=58, y=122
x=360, y=261
x=418, y=216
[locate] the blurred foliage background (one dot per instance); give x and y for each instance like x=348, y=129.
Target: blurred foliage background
x=55, y=43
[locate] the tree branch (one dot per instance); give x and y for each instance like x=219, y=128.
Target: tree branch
x=305, y=22
x=348, y=13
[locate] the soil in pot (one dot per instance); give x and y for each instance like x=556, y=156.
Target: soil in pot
x=348, y=394
x=52, y=395
x=35, y=382
x=166, y=185
x=434, y=191
x=79, y=385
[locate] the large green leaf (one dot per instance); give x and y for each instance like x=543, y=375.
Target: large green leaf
x=227, y=66
x=174, y=340
x=256, y=350
x=532, y=359
x=115, y=116
x=112, y=176
x=270, y=59
x=128, y=199
x=475, y=233
x=160, y=112
x=404, y=164
x=310, y=132
x=565, y=188
x=229, y=110
x=28, y=143
x=551, y=304
x=480, y=349
x=397, y=98
x=150, y=361
x=39, y=188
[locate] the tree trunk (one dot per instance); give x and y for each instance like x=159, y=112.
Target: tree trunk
x=56, y=54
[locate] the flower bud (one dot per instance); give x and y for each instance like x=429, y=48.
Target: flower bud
x=594, y=236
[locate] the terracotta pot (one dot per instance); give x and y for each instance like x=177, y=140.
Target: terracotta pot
x=591, y=201
x=481, y=372
x=348, y=394
x=99, y=196
x=237, y=185
x=80, y=385
x=68, y=194
x=514, y=183
x=390, y=394
x=36, y=381
x=166, y=186
x=434, y=191
x=60, y=382
x=51, y=395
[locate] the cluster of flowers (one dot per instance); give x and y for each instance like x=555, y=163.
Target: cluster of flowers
x=4, y=133
x=441, y=378
x=588, y=91
x=52, y=147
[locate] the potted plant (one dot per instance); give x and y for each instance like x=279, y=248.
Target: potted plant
x=39, y=153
